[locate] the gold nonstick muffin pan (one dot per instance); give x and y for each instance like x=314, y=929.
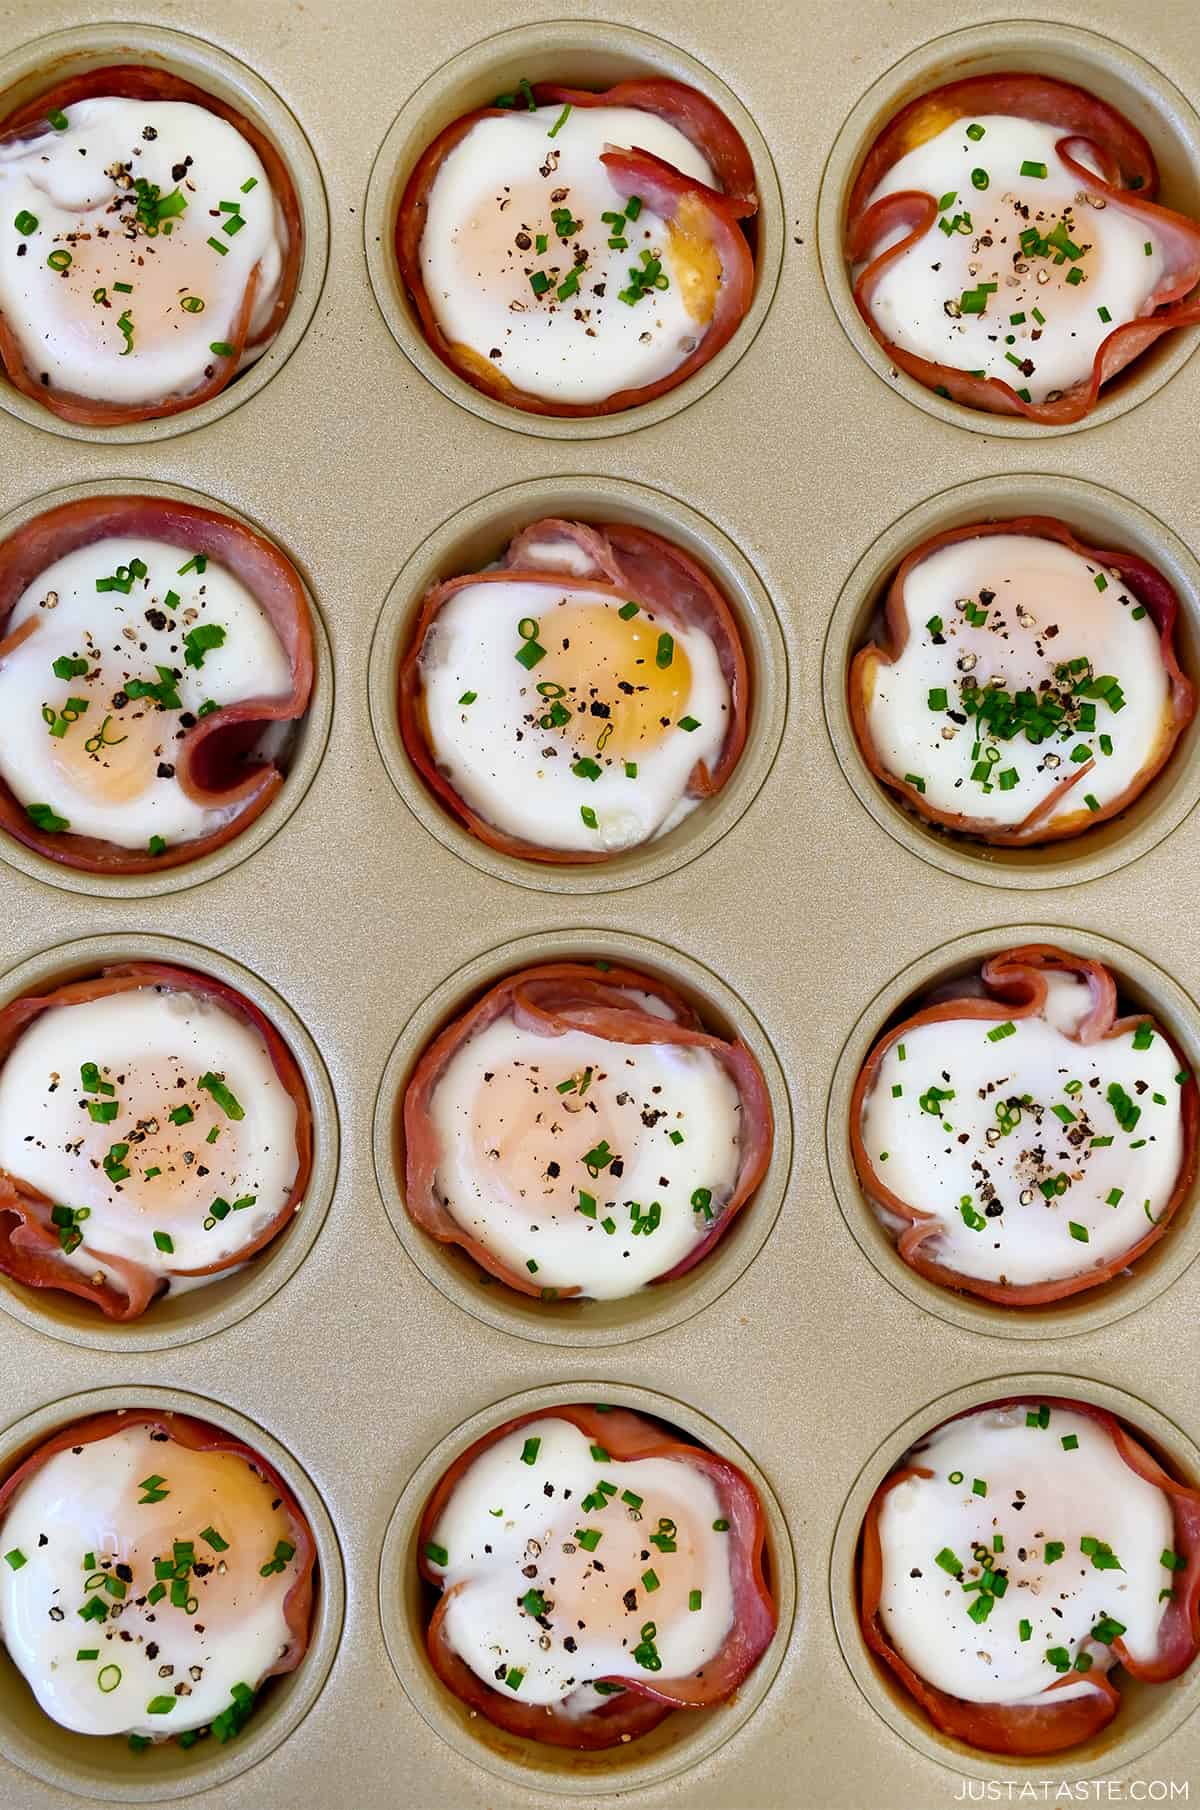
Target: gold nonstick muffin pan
x=800, y=908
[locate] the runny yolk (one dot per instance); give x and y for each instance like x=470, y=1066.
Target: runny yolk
x=625, y=682
x=112, y=756
x=694, y=260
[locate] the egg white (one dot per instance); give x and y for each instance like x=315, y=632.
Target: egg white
x=510, y=1526
x=115, y=634
x=504, y=178
x=501, y=1122
x=1037, y=1491
x=89, y=1501
x=1030, y=1240
x=151, y=1046
x=518, y=775
x=1048, y=606
x=63, y=179
x=916, y=299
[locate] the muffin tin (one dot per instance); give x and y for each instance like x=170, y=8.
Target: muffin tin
x=802, y=909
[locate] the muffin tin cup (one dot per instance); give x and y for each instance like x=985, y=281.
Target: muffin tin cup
x=1148, y=1712
x=1104, y=520
x=476, y=536
x=103, y=1769
x=45, y=61
x=587, y=1323
x=686, y=1737
x=1115, y=73
x=222, y=1302
x=593, y=55
x=1139, y=982
x=302, y=755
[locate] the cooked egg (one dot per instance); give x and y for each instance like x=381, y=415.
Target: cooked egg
x=1040, y=1157
x=128, y=237
x=143, y=1584
x=568, y=718
x=1041, y=1498
x=157, y=1120
x=562, y=1566
x=1026, y=665
x=109, y=657
x=540, y=272
x=581, y=1162
x=1025, y=272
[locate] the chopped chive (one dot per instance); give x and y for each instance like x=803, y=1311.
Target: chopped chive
x=437, y=1555
x=665, y=651
x=163, y=1241
x=1031, y=168
x=530, y=1450
x=559, y=122
x=650, y=1580
x=229, y=1104
x=1070, y=1442
x=161, y=1706
x=16, y=1558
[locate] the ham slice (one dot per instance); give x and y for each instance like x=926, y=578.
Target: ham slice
x=642, y=1702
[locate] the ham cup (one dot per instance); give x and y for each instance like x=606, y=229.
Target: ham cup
x=578, y=699
x=155, y=1132
x=1020, y=1140
x=153, y=658
x=150, y=245
x=596, y=1572
x=155, y=1573
x=579, y=1132
x=1023, y=687
x=1019, y=1559
x=1007, y=249
x=572, y=253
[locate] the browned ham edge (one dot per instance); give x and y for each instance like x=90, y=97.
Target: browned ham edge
x=30, y=1250
x=643, y=1701
x=1148, y=586
x=133, y=82
x=576, y=996
x=1048, y=1726
x=210, y=762
x=1015, y=988
x=624, y=562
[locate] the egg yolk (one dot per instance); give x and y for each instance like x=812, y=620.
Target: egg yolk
x=174, y=1171
x=93, y=312
x=695, y=261
x=114, y=756
x=533, y=1140
x=625, y=682
x=203, y=1491
x=581, y=1593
